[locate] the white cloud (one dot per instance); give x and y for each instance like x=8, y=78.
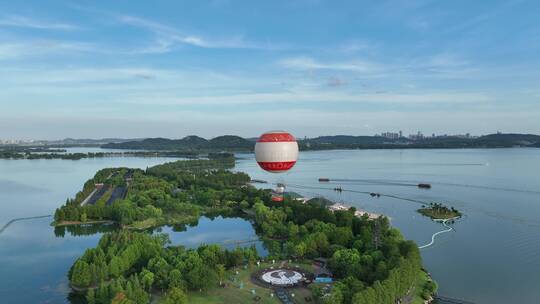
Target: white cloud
x=444, y=65
x=307, y=63
x=168, y=36
x=34, y=48
x=25, y=22
x=150, y=86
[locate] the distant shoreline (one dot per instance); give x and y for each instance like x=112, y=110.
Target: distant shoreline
x=233, y=143
x=197, y=154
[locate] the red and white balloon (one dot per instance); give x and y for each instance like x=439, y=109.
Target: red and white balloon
x=276, y=151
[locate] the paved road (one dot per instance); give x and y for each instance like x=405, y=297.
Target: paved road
x=284, y=296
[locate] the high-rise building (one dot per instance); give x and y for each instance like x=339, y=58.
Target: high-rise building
x=390, y=135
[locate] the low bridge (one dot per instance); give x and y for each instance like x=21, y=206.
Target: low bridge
x=21, y=219
x=239, y=242
x=447, y=300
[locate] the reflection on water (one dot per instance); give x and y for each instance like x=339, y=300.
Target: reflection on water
x=228, y=232
x=493, y=256
x=33, y=261
x=85, y=229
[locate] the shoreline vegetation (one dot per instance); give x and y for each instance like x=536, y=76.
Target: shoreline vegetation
x=48, y=154
x=75, y=223
x=369, y=261
x=195, y=147
x=437, y=211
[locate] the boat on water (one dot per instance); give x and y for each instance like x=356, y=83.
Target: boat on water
x=424, y=186
x=323, y=179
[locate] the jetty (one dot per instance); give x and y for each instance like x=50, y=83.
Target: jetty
x=358, y=212
x=21, y=219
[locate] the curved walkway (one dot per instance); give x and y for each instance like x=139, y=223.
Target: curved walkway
x=437, y=233
x=22, y=219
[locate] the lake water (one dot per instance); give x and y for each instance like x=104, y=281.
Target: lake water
x=227, y=232
x=493, y=256
x=34, y=258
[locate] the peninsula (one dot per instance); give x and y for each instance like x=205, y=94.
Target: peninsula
x=365, y=260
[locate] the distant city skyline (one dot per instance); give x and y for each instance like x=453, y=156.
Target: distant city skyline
x=138, y=69
x=389, y=135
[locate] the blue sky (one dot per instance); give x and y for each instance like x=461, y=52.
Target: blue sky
x=174, y=68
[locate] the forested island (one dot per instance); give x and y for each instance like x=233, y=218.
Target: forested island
x=370, y=262
x=61, y=154
x=437, y=211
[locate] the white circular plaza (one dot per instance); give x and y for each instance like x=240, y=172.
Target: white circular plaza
x=282, y=277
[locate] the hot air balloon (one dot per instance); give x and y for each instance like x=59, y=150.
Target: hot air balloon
x=276, y=152
x=280, y=188
x=277, y=194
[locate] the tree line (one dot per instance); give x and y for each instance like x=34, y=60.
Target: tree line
x=128, y=265
x=370, y=260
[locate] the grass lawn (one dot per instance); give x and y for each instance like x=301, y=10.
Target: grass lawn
x=300, y=295
x=233, y=294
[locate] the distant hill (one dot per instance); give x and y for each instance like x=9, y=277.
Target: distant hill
x=237, y=143
x=148, y=144
x=93, y=141
x=230, y=142
x=192, y=142
x=450, y=142
x=225, y=142
x=506, y=140
x=347, y=140
x=83, y=141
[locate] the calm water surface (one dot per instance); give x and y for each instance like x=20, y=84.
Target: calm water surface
x=493, y=256
x=227, y=232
